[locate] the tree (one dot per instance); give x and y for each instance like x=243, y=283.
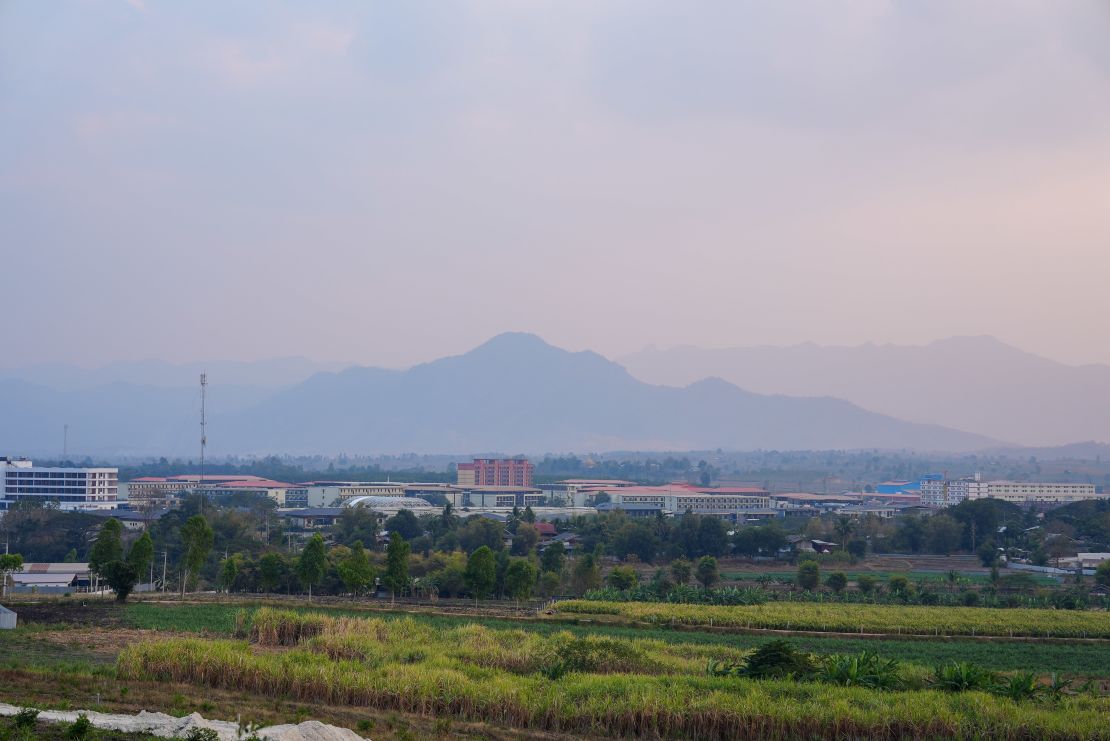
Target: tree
x=272, y=570
x=553, y=558
x=837, y=581
x=121, y=577
x=312, y=562
x=481, y=572
x=843, y=527
x=549, y=584
x=229, y=571
x=706, y=571
x=355, y=570
x=529, y=515
x=1102, y=574
x=635, y=537
x=520, y=578
x=712, y=536
x=9, y=562
x=866, y=583
x=197, y=536
x=622, y=578
x=396, y=576
x=681, y=569
x=405, y=524
x=525, y=539
x=141, y=554
x=586, y=574
x=809, y=575
x=108, y=547
x=480, y=531
x=857, y=547
x=943, y=534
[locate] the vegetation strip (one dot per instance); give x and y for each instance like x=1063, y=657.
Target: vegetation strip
x=562, y=682
x=849, y=618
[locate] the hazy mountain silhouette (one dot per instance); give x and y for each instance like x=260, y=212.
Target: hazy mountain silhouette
x=971, y=383
x=514, y=392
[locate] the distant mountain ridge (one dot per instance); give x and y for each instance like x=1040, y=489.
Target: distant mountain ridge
x=977, y=384
x=514, y=392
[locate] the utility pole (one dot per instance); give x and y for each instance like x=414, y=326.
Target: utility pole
x=203, y=426
x=65, y=441
x=165, y=558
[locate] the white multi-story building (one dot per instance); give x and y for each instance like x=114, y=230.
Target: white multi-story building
x=948, y=492
x=66, y=488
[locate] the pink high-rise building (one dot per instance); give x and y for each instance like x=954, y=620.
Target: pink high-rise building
x=496, y=472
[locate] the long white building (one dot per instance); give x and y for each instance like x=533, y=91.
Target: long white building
x=66, y=488
x=949, y=492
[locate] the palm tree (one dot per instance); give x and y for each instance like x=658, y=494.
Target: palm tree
x=843, y=528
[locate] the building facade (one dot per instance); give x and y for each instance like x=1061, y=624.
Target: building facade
x=66, y=488
x=496, y=472
x=950, y=492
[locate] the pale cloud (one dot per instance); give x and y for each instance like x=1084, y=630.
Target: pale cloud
x=275, y=57
x=392, y=181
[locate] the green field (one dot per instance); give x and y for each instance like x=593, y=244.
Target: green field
x=530, y=677
x=861, y=618
x=562, y=682
x=1001, y=655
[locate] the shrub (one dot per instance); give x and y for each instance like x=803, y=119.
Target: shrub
x=622, y=578
x=866, y=583
x=837, y=581
x=1022, y=686
x=79, y=729
x=26, y=717
x=202, y=734
x=862, y=670
x=809, y=575
x=961, y=676
x=778, y=659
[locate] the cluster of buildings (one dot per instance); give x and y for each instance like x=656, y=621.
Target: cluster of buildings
x=943, y=492
x=496, y=485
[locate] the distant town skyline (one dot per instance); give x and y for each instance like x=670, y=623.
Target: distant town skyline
x=387, y=183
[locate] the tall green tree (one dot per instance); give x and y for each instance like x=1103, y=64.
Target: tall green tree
x=681, y=569
x=525, y=539
x=312, y=563
x=554, y=558
x=355, y=570
x=141, y=553
x=9, y=562
x=396, y=564
x=586, y=573
x=121, y=576
x=706, y=571
x=197, y=537
x=229, y=572
x=272, y=570
x=107, y=547
x=481, y=572
x=520, y=579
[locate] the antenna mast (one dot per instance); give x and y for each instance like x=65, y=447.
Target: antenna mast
x=203, y=426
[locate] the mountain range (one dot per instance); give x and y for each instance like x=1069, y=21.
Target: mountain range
x=514, y=393
x=978, y=384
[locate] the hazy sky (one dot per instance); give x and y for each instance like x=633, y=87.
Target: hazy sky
x=389, y=182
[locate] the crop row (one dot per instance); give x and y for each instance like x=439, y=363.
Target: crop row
x=852, y=618
x=575, y=684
